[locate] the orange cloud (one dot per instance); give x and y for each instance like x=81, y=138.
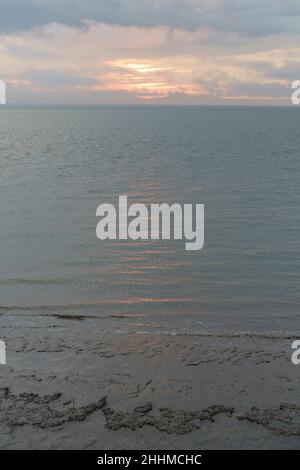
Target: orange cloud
x=146, y=63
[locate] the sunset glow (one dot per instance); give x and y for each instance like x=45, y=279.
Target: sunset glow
x=101, y=62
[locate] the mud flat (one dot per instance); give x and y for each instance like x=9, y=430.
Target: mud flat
x=68, y=384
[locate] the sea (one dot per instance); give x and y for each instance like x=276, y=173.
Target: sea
x=58, y=163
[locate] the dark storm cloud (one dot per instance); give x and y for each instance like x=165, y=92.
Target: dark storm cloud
x=246, y=17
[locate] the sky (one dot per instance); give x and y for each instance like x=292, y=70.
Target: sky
x=150, y=51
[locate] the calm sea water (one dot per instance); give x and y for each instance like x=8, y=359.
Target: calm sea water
x=58, y=164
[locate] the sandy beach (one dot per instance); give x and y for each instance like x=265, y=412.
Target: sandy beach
x=69, y=385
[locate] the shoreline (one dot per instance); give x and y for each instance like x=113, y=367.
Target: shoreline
x=67, y=385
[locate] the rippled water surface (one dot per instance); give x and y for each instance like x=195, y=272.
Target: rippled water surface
x=58, y=164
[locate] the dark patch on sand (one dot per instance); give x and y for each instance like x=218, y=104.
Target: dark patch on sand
x=165, y=420
x=48, y=411
x=284, y=419
x=70, y=317
x=43, y=411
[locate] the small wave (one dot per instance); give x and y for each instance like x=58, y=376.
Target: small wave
x=31, y=281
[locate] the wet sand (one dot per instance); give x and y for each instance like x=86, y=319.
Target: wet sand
x=69, y=385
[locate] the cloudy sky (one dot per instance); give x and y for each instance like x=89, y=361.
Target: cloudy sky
x=150, y=51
